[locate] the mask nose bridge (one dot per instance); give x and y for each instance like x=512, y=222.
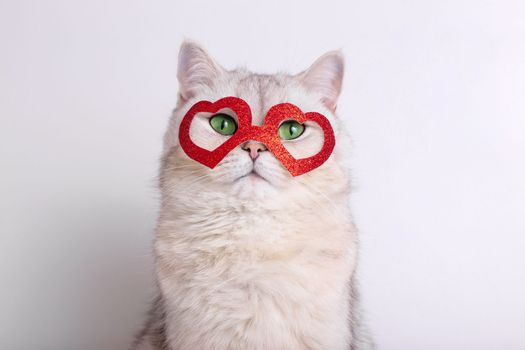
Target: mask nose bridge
x=258, y=129
x=257, y=133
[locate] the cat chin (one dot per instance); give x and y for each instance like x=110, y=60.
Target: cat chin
x=253, y=186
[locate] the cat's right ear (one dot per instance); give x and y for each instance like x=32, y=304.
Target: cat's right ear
x=325, y=78
x=195, y=69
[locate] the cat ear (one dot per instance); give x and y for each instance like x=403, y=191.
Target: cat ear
x=195, y=69
x=325, y=77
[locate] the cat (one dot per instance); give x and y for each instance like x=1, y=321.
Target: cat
x=248, y=256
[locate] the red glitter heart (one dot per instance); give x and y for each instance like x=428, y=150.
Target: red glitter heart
x=267, y=134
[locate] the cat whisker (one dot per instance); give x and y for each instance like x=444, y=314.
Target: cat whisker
x=197, y=179
x=195, y=166
x=334, y=208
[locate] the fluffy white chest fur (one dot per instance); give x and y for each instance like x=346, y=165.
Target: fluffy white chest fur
x=253, y=278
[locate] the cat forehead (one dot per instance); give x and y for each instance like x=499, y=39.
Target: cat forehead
x=262, y=91
x=262, y=88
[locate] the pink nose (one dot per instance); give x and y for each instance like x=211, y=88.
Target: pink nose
x=253, y=147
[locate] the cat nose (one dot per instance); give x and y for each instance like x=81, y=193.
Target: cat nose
x=253, y=147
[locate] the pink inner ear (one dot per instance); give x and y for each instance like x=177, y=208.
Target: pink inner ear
x=266, y=134
x=325, y=77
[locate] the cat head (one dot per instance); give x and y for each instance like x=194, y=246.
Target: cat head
x=250, y=171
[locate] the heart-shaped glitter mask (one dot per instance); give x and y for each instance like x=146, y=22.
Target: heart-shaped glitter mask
x=267, y=134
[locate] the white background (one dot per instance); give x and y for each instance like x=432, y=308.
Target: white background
x=434, y=100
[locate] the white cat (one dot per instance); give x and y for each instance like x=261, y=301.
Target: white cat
x=247, y=256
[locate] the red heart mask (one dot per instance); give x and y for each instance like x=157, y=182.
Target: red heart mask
x=267, y=134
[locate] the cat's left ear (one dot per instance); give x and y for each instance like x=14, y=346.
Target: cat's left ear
x=325, y=77
x=196, y=69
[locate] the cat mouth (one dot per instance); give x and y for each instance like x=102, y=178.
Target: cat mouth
x=253, y=174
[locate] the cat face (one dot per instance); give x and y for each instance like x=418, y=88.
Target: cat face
x=250, y=171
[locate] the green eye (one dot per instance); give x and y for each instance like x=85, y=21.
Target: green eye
x=290, y=130
x=223, y=124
